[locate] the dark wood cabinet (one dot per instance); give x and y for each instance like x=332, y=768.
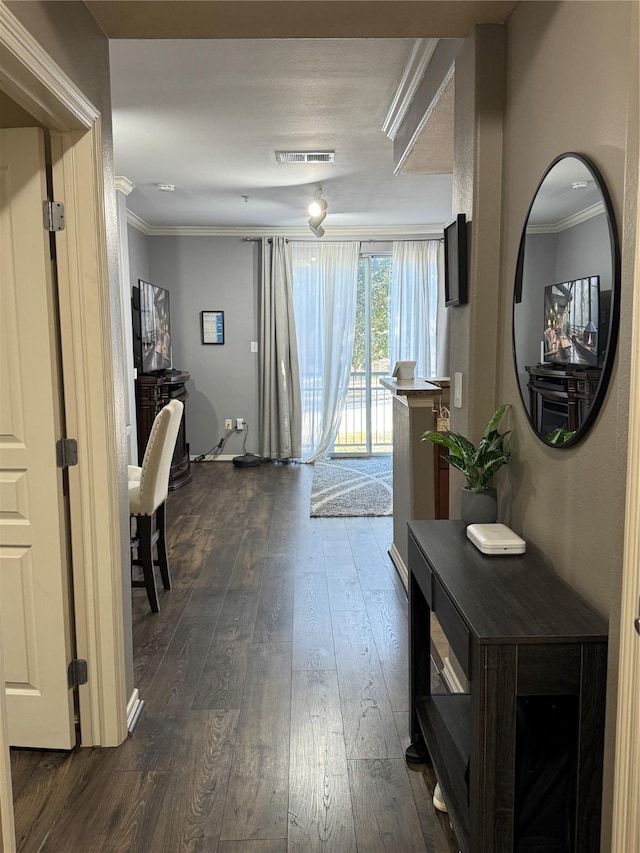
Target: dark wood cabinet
x=518, y=754
x=561, y=396
x=152, y=393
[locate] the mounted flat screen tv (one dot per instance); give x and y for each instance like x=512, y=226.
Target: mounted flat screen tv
x=151, y=328
x=455, y=261
x=572, y=320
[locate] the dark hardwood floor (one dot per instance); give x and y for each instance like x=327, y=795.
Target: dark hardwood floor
x=275, y=688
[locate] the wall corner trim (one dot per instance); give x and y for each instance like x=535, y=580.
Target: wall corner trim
x=124, y=185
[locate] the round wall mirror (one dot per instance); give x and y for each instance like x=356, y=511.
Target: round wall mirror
x=566, y=301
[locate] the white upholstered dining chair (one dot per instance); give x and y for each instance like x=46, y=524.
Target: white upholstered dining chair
x=148, y=490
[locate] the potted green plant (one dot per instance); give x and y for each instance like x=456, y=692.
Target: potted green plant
x=478, y=464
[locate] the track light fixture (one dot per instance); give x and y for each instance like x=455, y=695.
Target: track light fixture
x=318, y=211
x=319, y=205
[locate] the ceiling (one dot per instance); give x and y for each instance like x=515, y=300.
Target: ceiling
x=567, y=191
x=296, y=18
x=208, y=114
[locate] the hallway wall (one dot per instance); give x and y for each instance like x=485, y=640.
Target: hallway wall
x=569, y=504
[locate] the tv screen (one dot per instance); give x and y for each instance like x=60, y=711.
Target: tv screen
x=455, y=261
x=572, y=322
x=155, y=327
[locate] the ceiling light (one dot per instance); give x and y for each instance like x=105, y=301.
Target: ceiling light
x=166, y=188
x=318, y=211
x=317, y=207
x=579, y=185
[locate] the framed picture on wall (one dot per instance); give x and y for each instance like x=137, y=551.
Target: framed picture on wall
x=212, y=326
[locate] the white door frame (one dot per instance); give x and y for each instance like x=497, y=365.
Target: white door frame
x=35, y=81
x=626, y=788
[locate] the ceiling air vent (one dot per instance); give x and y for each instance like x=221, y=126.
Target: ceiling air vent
x=305, y=156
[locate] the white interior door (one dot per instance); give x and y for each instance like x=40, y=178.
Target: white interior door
x=34, y=599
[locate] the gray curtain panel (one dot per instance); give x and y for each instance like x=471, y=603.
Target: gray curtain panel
x=280, y=407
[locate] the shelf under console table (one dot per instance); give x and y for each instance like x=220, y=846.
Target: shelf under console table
x=519, y=754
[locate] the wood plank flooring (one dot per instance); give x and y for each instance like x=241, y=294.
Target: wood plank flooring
x=275, y=688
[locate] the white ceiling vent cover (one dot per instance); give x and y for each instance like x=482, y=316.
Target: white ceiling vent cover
x=305, y=156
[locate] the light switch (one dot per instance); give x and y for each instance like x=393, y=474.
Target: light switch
x=254, y=346
x=457, y=390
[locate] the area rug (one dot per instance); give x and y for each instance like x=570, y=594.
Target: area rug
x=352, y=487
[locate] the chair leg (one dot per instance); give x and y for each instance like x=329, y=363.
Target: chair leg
x=163, y=560
x=145, y=554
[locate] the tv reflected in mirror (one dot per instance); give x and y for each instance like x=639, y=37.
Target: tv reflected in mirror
x=571, y=322
x=151, y=328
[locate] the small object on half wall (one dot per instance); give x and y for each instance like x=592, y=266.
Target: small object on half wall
x=403, y=371
x=496, y=539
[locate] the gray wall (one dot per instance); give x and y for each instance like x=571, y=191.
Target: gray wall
x=550, y=109
x=138, y=255
x=477, y=192
x=581, y=251
x=212, y=274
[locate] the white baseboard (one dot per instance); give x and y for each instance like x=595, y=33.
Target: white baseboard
x=450, y=678
x=134, y=709
x=398, y=562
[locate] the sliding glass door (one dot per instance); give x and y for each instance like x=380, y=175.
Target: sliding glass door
x=365, y=426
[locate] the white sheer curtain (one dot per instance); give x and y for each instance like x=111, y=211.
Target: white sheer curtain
x=325, y=279
x=280, y=412
x=417, y=318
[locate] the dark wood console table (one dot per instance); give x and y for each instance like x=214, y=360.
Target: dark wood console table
x=518, y=756
x=152, y=393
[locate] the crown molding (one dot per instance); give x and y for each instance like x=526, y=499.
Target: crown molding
x=139, y=224
x=420, y=57
x=369, y=232
x=570, y=222
x=123, y=185
x=423, y=121
x=36, y=82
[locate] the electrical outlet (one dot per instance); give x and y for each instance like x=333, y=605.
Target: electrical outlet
x=228, y=424
x=239, y=423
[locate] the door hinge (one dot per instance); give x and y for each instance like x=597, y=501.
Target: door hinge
x=66, y=452
x=77, y=672
x=53, y=215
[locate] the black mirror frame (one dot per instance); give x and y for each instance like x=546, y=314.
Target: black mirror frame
x=614, y=317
